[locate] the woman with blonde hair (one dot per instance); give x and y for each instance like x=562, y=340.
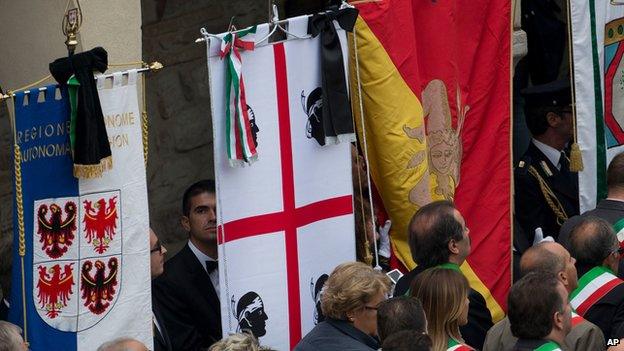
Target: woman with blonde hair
x=444, y=296
x=349, y=303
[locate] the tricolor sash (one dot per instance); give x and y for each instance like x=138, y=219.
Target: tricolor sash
x=593, y=285
x=576, y=319
x=549, y=346
x=454, y=345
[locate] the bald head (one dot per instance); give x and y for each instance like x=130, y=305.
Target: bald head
x=546, y=256
x=592, y=241
x=123, y=344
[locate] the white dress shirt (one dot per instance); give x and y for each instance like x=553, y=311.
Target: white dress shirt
x=553, y=155
x=202, y=257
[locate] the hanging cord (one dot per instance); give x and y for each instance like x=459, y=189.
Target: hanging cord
x=576, y=157
x=19, y=204
x=361, y=107
x=145, y=125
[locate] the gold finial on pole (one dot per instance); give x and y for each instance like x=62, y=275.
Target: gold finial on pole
x=72, y=20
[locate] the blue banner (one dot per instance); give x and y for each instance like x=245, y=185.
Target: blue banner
x=45, y=280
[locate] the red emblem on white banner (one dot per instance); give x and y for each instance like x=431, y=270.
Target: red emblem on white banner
x=55, y=232
x=100, y=222
x=55, y=288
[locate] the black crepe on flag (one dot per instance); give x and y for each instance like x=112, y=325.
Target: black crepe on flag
x=91, y=143
x=337, y=117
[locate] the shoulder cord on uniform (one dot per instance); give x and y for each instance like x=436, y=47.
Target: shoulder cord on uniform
x=550, y=197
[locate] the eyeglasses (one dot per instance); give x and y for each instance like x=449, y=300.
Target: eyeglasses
x=158, y=248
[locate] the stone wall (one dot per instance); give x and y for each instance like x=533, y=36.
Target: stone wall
x=180, y=135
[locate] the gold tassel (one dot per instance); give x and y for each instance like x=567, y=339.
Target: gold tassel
x=576, y=158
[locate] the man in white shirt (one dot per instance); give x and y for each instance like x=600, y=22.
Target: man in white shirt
x=188, y=290
x=546, y=191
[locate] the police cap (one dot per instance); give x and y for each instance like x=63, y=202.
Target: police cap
x=553, y=94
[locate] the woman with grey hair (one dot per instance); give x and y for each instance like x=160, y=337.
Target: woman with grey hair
x=11, y=338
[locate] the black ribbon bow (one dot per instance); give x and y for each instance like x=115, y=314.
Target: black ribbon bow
x=92, y=149
x=337, y=117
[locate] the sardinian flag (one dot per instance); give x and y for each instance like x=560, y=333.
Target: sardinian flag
x=287, y=221
x=81, y=254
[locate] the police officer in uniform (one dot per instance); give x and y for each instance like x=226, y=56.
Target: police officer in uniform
x=546, y=191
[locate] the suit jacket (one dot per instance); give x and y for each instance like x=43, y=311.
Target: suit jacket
x=530, y=344
x=584, y=336
x=532, y=210
x=479, y=316
x=162, y=342
x=188, y=302
x=332, y=335
x=609, y=210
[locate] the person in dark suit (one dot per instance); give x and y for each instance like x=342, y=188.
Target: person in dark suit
x=610, y=209
x=438, y=236
x=188, y=290
x=157, y=261
x=539, y=313
x=596, y=249
x=546, y=191
x=552, y=258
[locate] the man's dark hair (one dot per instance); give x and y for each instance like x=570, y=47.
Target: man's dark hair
x=532, y=303
x=202, y=186
x=615, y=172
x=400, y=313
x=407, y=340
x=536, y=119
x=591, y=241
x=431, y=229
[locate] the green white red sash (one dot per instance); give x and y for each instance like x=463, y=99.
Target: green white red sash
x=241, y=149
x=454, y=345
x=593, y=285
x=576, y=319
x=549, y=346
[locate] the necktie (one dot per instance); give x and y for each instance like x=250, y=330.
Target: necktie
x=564, y=163
x=211, y=266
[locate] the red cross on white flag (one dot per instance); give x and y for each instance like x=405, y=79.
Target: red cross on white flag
x=287, y=219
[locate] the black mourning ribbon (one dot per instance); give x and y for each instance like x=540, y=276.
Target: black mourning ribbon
x=211, y=266
x=337, y=116
x=91, y=144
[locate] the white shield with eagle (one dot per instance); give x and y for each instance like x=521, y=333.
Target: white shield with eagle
x=77, y=246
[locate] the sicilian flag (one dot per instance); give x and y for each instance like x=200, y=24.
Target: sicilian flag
x=286, y=221
x=598, y=50
x=81, y=251
x=435, y=90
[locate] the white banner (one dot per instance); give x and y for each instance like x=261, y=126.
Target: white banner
x=599, y=94
x=286, y=220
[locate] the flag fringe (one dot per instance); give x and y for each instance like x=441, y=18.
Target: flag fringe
x=93, y=171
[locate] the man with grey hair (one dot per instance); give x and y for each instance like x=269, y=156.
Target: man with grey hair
x=122, y=344
x=599, y=298
x=555, y=259
x=11, y=337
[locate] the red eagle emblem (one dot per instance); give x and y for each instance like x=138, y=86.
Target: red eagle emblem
x=55, y=287
x=98, y=290
x=100, y=222
x=56, y=234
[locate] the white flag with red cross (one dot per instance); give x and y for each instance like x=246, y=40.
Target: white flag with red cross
x=287, y=220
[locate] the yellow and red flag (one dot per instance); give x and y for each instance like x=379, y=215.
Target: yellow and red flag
x=435, y=84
